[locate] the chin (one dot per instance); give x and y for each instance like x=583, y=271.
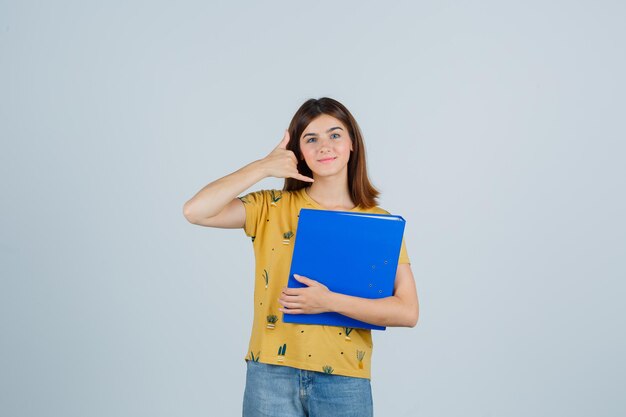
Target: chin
x=322, y=174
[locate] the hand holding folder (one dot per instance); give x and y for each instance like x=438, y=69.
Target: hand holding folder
x=351, y=253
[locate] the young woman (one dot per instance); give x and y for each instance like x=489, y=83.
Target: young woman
x=294, y=369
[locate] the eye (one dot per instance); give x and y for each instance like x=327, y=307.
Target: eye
x=309, y=140
x=338, y=135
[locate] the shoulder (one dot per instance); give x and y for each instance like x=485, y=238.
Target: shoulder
x=266, y=196
x=272, y=194
x=375, y=210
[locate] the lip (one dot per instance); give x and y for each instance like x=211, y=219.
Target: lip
x=326, y=160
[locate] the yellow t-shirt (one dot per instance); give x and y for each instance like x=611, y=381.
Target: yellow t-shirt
x=271, y=223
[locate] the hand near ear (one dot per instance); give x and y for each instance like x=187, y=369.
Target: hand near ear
x=282, y=163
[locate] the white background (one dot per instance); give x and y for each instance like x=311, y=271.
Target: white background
x=495, y=128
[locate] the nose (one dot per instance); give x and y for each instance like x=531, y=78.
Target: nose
x=324, y=145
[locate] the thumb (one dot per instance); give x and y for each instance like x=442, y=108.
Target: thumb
x=284, y=141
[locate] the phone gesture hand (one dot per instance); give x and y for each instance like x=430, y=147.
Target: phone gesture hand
x=282, y=163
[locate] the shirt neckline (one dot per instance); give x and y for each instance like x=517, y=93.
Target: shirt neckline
x=314, y=203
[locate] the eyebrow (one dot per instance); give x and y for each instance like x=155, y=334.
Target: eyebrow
x=328, y=131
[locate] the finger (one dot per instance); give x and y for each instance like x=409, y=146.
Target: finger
x=291, y=310
x=302, y=178
x=291, y=291
x=305, y=280
x=293, y=158
x=290, y=305
x=284, y=141
x=289, y=299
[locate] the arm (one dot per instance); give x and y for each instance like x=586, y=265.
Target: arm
x=399, y=310
x=216, y=204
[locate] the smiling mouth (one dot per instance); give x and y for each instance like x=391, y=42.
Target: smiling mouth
x=326, y=159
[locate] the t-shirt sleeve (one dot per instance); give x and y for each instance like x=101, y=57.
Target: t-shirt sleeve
x=404, y=256
x=256, y=204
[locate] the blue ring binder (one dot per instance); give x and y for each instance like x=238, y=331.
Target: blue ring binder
x=352, y=253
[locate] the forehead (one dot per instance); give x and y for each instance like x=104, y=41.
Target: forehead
x=322, y=123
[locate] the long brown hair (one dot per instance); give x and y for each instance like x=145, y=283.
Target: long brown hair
x=361, y=190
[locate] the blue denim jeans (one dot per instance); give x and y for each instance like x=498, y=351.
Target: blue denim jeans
x=282, y=391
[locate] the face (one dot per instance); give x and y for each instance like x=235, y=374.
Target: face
x=326, y=145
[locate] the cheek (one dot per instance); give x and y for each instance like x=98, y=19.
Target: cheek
x=306, y=154
x=345, y=148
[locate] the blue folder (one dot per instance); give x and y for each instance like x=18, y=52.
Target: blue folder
x=351, y=253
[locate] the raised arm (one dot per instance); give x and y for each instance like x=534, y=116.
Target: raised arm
x=217, y=205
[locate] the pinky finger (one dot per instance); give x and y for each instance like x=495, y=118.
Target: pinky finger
x=291, y=310
x=304, y=178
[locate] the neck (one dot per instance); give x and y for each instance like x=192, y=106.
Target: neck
x=331, y=193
